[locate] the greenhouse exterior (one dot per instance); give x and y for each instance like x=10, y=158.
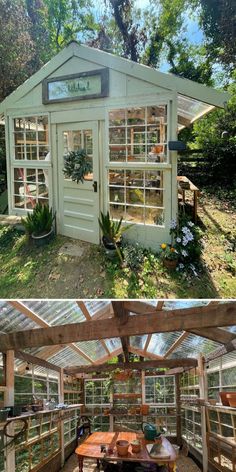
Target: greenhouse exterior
x=126, y=116
x=117, y=364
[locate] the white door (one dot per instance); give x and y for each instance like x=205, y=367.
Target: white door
x=79, y=203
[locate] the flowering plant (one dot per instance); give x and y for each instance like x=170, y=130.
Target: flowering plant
x=186, y=238
x=168, y=252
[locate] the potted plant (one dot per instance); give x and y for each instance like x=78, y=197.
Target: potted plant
x=39, y=224
x=77, y=164
x=112, y=231
x=169, y=256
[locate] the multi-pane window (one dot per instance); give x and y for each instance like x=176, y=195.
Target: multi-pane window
x=221, y=380
x=160, y=389
x=31, y=138
x=43, y=387
x=137, y=196
x=97, y=392
x=191, y=426
x=30, y=187
x=30, y=143
x=138, y=134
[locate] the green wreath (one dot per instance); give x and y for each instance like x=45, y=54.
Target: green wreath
x=77, y=164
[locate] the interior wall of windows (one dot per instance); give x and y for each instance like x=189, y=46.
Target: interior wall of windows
x=160, y=389
x=138, y=136
x=30, y=159
x=221, y=376
x=42, y=386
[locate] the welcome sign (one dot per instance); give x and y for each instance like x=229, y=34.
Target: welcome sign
x=86, y=85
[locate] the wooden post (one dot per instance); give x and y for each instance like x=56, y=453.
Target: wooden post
x=9, y=401
x=178, y=409
x=61, y=396
x=143, y=386
x=203, y=395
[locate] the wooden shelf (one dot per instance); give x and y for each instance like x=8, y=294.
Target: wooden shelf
x=126, y=395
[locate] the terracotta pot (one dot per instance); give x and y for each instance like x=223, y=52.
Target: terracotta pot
x=136, y=446
x=144, y=409
x=224, y=399
x=170, y=264
x=231, y=397
x=122, y=447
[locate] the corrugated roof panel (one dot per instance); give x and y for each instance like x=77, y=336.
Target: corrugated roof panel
x=113, y=344
x=93, y=306
x=194, y=345
x=138, y=341
x=93, y=349
x=161, y=342
x=12, y=320
x=67, y=357
x=56, y=312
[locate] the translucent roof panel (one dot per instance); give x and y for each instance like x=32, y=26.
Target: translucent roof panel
x=194, y=345
x=56, y=312
x=179, y=304
x=191, y=109
x=93, y=349
x=94, y=306
x=113, y=344
x=12, y=320
x=138, y=341
x=161, y=342
x=67, y=357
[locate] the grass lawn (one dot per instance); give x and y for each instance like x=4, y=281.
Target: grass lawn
x=56, y=272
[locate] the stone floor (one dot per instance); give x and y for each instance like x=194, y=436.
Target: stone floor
x=185, y=464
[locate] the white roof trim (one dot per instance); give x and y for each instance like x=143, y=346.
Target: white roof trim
x=167, y=81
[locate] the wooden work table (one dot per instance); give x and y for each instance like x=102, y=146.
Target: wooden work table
x=91, y=448
x=195, y=190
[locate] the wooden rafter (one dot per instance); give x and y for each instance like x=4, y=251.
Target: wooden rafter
x=121, y=315
x=159, y=307
x=152, y=364
x=44, y=324
x=35, y=360
x=140, y=352
x=139, y=307
x=88, y=317
x=215, y=334
x=108, y=357
x=176, y=344
x=168, y=321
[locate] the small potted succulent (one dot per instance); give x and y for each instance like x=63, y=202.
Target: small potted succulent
x=39, y=224
x=169, y=256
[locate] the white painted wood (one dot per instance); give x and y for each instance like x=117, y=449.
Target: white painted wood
x=78, y=203
x=203, y=395
x=173, y=136
x=101, y=58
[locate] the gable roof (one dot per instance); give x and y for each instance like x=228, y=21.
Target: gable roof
x=167, y=81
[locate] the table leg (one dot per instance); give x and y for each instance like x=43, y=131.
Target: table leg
x=98, y=464
x=172, y=467
x=80, y=460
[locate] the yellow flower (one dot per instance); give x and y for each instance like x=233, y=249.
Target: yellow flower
x=163, y=246
x=172, y=249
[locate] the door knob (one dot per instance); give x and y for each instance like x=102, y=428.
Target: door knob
x=95, y=186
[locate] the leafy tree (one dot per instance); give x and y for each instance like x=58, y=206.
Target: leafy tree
x=216, y=135
x=16, y=45
x=218, y=20
x=190, y=61
x=37, y=12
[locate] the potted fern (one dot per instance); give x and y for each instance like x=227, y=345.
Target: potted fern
x=39, y=224
x=112, y=231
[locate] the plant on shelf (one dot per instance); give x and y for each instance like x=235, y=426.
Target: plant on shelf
x=39, y=223
x=77, y=164
x=169, y=256
x=112, y=231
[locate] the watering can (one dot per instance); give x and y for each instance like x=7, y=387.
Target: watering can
x=150, y=431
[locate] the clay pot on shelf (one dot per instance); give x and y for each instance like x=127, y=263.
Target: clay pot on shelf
x=224, y=399
x=136, y=446
x=122, y=447
x=231, y=397
x=144, y=409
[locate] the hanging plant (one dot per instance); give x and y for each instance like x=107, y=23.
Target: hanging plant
x=77, y=165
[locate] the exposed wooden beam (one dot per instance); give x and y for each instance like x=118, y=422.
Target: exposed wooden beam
x=149, y=337
x=105, y=312
x=154, y=364
x=176, y=344
x=24, y=356
x=88, y=317
x=172, y=320
x=45, y=353
x=44, y=324
x=159, y=305
x=121, y=315
x=221, y=351
x=215, y=334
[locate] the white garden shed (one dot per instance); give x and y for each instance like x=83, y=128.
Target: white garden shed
x=123, y=114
